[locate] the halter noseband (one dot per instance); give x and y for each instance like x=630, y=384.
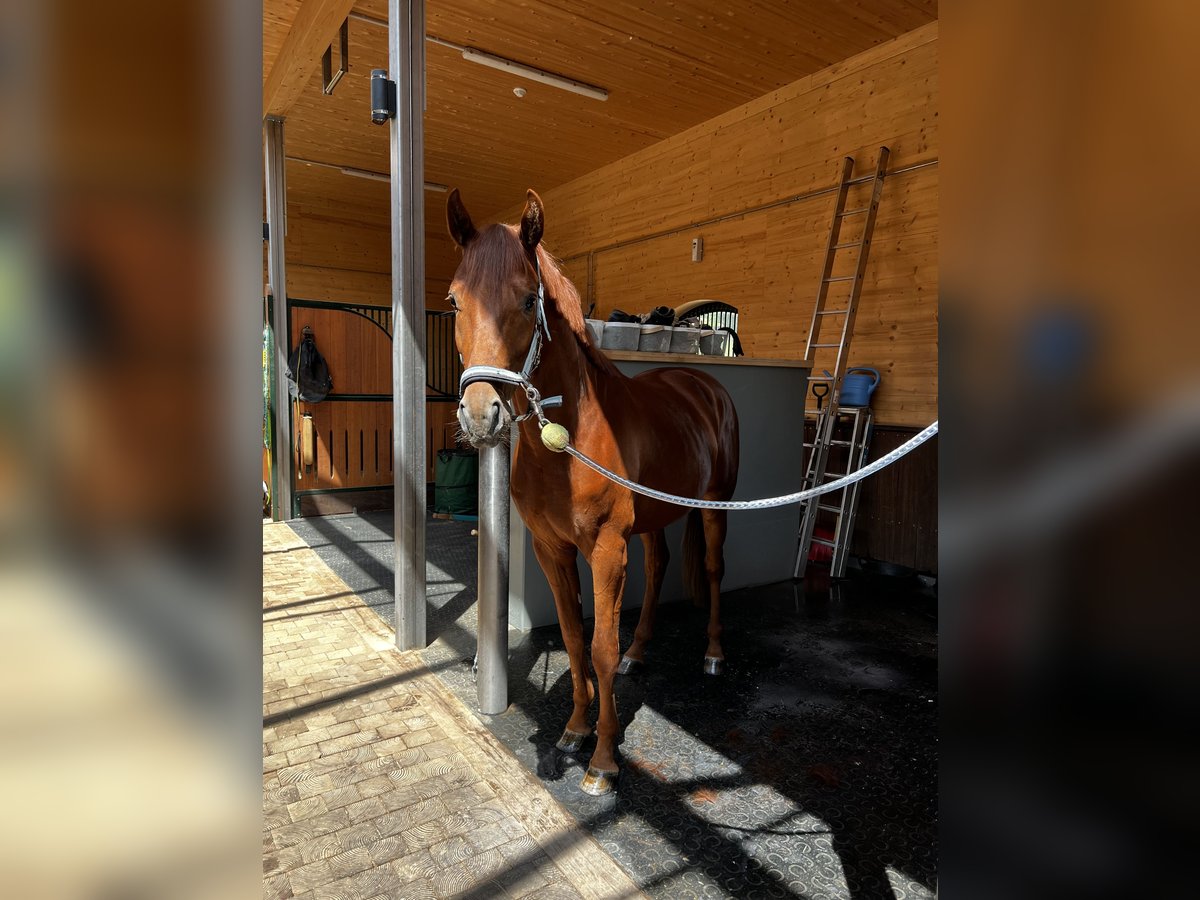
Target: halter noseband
x=532, y=358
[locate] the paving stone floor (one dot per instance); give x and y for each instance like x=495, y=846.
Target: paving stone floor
x=809, y=769
x=377, y=781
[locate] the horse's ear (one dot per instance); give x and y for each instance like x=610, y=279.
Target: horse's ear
x=462, y=229
x=533, y=220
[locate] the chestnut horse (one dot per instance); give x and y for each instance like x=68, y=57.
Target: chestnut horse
x=674, y=429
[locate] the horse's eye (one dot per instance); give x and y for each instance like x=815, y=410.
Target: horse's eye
x=530, y=300
x=453, y=302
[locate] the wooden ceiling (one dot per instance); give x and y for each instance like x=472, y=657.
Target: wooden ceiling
x=667, y=65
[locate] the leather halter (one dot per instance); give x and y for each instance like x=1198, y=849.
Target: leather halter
x=494, y=374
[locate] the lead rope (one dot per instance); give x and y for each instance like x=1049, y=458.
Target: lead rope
x=555, y=438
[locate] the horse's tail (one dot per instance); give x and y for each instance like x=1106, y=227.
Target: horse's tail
x=695, y=581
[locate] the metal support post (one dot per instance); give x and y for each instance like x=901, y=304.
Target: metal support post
x=281, y=456
x=406, y=66
x=492, y=609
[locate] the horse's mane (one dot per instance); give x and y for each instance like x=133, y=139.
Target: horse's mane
x=496, y=251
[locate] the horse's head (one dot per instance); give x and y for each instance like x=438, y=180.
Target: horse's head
x=494, y=294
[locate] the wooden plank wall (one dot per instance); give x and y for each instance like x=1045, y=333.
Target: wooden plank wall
x=767, y=263
x=897, y=510
x=338, y=249
x=339, y=240
x=353, y=445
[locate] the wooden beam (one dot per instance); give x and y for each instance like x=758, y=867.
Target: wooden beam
x=315, y=26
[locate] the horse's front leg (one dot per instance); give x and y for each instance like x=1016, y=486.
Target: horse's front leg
x=558, y=562
x=608, y=558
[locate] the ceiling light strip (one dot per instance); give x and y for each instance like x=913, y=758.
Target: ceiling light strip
x=523, y=71
x=510, y=66
x=362, y=173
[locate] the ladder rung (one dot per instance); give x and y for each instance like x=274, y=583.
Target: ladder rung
x=826, y=419
x=842, y=411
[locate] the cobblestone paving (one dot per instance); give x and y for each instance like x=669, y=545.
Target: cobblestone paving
x=377, y=781
x=809, y=769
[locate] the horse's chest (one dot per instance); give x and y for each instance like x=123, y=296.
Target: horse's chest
x=552, y=506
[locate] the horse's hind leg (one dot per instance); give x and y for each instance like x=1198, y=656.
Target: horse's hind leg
x=558, y=562
x=654, y=544
x=714, y=569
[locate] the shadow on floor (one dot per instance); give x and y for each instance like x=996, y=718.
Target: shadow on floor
x=809, y=769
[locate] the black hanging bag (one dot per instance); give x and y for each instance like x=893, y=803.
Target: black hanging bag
x=308, y=373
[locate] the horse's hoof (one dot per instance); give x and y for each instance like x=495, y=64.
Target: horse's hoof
x=598, y=783
x=628, y=665
x=713, y=665
x=571, y=741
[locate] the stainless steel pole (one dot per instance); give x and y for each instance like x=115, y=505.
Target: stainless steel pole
x=492, y=608
x=281, y=463
x=406, y=66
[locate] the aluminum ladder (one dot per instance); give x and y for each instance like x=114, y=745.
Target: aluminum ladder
x=815, y=472
x=857, y=421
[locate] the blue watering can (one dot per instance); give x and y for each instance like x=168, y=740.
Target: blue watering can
x=857, y=389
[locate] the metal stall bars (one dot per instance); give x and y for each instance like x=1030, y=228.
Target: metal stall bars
x=828, y=417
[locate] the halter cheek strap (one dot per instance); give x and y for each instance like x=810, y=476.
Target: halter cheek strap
x=520, y=379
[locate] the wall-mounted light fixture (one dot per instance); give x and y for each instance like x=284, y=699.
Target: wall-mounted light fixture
x=383, y=97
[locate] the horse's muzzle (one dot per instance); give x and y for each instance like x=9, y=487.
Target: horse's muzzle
x=484, y=419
